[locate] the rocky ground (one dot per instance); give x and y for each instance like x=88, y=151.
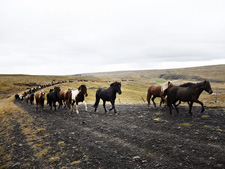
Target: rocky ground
x=134, y=138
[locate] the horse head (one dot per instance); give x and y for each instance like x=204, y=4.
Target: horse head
x=42, y=95
x=207, y=87
x=117, y=87
x=83, y=90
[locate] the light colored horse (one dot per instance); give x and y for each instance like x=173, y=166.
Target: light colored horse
x=158, y=91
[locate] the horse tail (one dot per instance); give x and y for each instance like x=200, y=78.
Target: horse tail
x=148, y=97
x=97, y=98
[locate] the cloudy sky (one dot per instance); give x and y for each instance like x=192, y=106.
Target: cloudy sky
x=52, y=37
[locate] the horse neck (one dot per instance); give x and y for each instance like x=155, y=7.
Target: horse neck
x=112, y=90
x=199, y=87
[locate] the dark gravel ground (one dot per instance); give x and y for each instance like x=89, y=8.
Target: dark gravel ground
x=135, y=137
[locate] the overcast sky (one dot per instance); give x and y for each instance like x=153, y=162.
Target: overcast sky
x=52, y=37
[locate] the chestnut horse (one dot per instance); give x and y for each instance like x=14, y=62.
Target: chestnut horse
x=62, y=100
x=40, y=98
x=158, y=91
x=108, y=95
x=78, y=96
x=68, y=97
x=188, y=94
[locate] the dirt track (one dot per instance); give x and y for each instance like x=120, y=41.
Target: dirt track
x=134, y=138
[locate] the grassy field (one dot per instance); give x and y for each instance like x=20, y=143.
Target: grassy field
x=134, y=83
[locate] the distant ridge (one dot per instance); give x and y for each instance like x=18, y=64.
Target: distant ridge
x=213, y=73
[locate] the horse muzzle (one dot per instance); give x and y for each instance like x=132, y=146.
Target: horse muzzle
x=210, y=92
x=119, y=92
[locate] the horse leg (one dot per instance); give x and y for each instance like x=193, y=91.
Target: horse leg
x=54, y=104
x=199, y=102
x=170, y=109
x=77, y=108
x=190, y=107
x=162, y=100
x=148, y=99
x=153, y=98
x=104, y=106
x=50, y=104
x=85, y=104
x=113, y=105
x=71, y=106
x=176, y=108
x=60, y=104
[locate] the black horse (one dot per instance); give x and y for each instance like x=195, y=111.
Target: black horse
x=53, y=97
x=188, y=94
x=108, y=95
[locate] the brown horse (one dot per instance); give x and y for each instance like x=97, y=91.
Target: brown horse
x=30, y=97
x=68, y=97
x=158, y=91
x=62, y=100
x=188, y=94
x=40, y=98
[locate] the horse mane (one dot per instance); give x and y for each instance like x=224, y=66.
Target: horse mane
x=189, y=84
x=165, y=85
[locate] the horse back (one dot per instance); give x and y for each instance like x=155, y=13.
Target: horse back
x=74, y=94
x=155, y=90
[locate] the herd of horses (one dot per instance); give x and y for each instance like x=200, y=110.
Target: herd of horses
x=170, y=94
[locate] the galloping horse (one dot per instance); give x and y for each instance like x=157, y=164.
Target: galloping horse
x=188, y=94
x=158, y=91
x=40, y=98
x=53, y=97
x=108, y=95
x=78, y=96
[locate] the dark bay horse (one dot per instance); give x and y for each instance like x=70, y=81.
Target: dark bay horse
x=79, y=96
x=158, y=91
x=29, y=97
x=188, y=94
x=40, y=98
x=108, y=95
x=53, y=97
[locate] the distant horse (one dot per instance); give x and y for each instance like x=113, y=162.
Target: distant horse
x=158, y=91
x=53, y=97
x=108, y=95
x=78, y=96
x=17, y=97
x=30, y=97
x=188, y=94
x=40, y=98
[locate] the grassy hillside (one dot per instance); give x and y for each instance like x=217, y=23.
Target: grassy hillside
x=134, y=83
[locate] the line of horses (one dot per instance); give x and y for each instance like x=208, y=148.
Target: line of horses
x=170, y=94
